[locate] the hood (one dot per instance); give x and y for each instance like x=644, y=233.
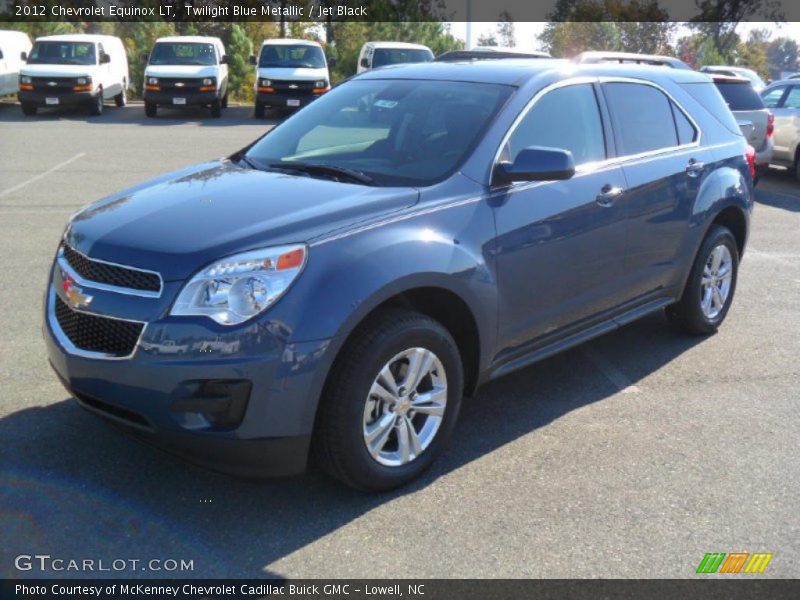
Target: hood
x=181, y=71
x=181, y=222
x=57, y=70
x=293, y=73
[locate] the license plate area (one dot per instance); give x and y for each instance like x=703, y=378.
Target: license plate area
x=51, y=101
x=179, y=100
x=292, y=102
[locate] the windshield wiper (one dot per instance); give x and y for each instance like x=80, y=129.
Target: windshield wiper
x=320, y=169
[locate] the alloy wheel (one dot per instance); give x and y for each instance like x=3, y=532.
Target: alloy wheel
x=715, y=285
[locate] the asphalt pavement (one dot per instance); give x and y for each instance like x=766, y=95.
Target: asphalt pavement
x=631, y=456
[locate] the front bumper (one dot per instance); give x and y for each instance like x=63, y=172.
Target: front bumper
x=64, y=99
x=190, y=98
x=283, y=100
x=147, y=393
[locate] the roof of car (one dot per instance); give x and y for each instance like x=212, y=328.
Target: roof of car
x=397, y=45
x=76, y=37
x=484, y=54
x=288, y=41
x=630, y=57
x=188, y=39
x=517, y=71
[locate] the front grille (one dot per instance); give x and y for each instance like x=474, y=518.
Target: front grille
x=188, y=84
x=46, y=84
x=93, y=333
x=101, y=272
x=292, y=86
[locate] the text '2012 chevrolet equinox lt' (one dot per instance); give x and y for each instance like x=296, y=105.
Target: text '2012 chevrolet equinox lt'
x=335, y=288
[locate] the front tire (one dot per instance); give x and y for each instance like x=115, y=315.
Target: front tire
x=150, y=109
x=258, y=113
x=121, y=99
x=29, y=109
x=391, y=401
x=96, y=108
x=216, y=109
x=712, y=282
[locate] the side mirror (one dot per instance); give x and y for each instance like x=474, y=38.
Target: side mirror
x=365, y=63
x=252, y=59
x=23, y=56
x=536, y=163
x=144, y=56
x=332, y=61
x=224, y=60
x=105, y=59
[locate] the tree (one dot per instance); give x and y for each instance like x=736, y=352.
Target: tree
x=487, y=39
x=782, y=57
x=565, y=40
x=240, y=73
x=505, y=31
x=753, y=53
x=718, y=20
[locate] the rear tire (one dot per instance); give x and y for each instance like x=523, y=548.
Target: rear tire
x=98, y=104
x=701, y=309
x=411, y=427
x=29, y=109
x=150, y=109
x=258, y=113
x=121, y=99
x=216, y=108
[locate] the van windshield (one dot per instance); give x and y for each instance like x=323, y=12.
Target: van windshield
x=388, y=132
x=183, y=54
x=62, y=53
x=291, y=56
x=395, y=56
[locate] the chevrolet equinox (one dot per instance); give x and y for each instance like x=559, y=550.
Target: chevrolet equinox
x=335, y=288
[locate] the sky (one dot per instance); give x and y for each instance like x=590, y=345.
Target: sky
x=527, y=32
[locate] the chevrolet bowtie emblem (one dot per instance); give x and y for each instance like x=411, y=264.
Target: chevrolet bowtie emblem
x=73, y=294
x=292, y=86
x=179, y=84
x=52, y=83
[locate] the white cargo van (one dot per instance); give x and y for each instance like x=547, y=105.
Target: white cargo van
x=76, y=69
x=184, y=71
x=381, y=54
x=289, y=74
x=13, y=46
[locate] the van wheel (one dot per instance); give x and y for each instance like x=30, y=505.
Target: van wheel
x=96, y=108
x=709, y=290
x=121, y=99
x=391, y=401
x=150, y=109
x=216, y=108
x=258, y=113
x=225, y=100
x=29, y=109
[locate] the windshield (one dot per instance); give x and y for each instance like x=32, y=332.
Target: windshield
x=394, y=56
x=396, y=132
x=62, y=53
x=295, y=56
x=183, y=54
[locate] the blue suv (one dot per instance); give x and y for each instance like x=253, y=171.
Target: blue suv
x=335, y=288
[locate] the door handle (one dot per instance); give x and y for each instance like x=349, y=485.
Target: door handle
x=694, y=168
x=608, y=194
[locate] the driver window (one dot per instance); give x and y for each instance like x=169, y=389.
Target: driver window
x=567, y=118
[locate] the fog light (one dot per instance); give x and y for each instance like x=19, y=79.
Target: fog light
x=220, y=402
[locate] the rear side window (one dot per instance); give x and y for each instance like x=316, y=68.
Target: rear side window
x=686, y=131
x=642, y=117
x=773, y=97
x=566, y=118
x=740, y=96
x=710, y=98
x=793, y=99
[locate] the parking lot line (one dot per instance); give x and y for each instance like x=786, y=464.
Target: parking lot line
x=614, y=375
x=41, y=175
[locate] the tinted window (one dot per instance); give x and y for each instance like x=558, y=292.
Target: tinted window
x=773, y=96
x=399, y=132
x=793, y=99
x=63, y=53
x=183, y=54
x=686, y=131
x=292, y=56
x=709, y=97
x=642, y=117
x=740, y=96
x=393, y=56
x=566, y=118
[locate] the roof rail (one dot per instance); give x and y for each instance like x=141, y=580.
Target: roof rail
x=630, y=58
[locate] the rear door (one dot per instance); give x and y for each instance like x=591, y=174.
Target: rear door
x=664, y=167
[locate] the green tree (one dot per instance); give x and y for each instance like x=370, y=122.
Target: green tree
x=565, y=40
x=753, y=53
x=240, y=73
x=782, y=57
x=718, y=20
x=505, y=31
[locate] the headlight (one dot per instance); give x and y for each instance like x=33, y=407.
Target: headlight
x=24, y=79
x=265, y=83
x=84, y=80
x=320, y=84
x=209, y=81
x=152, y=81
x=239, y=287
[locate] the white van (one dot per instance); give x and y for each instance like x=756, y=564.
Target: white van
x=381, y=54
x=77, y=69
x=13, y=45
x=184, y=71
x=289, y=74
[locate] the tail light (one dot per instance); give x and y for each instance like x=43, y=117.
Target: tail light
x=770, y=124
x=750, y=155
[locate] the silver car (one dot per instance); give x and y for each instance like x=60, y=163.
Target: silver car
x=755, y=120
x=758, y=83
x=783, y=99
